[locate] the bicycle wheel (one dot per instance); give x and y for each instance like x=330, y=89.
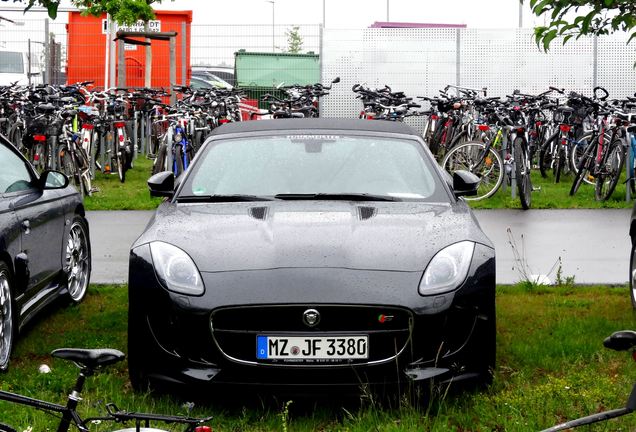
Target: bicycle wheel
x=160, y=160
x=522, y=171
x=578, y=151
x=559, y=163
x=83, y=171
x=178, y=161
x=473, y=157
x=120, y=156
x=39, y=157
x=65, y=162
x=585, y=165
x=546, y=157
x=610, y=171
x=6, y=428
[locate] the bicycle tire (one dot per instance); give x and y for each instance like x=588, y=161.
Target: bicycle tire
x=611, y=167
x=492, y=167
x=121, y=168
x=522, y=171
x=84, y=172
x=38, y=157
x=6, y=428
x=546, y=155
x=579, y=151
x=585, y=165
x=458, y=139
x=160, y=160
x=65, y=162
x=178, y=161
x=559, y=163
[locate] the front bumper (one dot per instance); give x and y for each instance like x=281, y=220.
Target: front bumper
x=212, y=339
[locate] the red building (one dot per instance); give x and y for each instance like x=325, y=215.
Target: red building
x=86, y=52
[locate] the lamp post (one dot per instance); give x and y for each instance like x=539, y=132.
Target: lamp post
x=273, y=2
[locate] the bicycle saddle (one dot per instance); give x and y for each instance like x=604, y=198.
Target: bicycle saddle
x=46, y=108
x=90, y=358
x=621, y=340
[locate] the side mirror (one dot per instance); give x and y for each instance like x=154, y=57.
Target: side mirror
x=161, y=184
x=336, y=80
x=53, y=180
x=465, y=183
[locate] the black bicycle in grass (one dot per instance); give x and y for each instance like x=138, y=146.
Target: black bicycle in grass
x=624, y=340
x=89, y=361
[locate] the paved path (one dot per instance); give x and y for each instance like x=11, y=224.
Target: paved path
x=593, y=244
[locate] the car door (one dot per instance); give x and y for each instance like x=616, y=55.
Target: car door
x=39, y=215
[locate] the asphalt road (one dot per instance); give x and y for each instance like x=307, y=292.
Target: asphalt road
x=593, y=244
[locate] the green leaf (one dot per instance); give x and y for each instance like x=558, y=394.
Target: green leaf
x=541, y=7
x=585, y=25
x=547, y=38
x=632, y=36
x=52, y=8
x=566, y=28
x=567, y=38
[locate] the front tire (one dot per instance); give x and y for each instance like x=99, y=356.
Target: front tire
x=632, y=274
x=7, y=319
x=77, y=260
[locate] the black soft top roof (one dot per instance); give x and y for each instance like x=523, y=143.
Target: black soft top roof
x=313, y=124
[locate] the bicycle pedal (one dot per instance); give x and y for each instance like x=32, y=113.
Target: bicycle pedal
x=94, y=189
x=536, y=188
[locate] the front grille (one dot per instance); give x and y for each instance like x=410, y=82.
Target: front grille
x=235, y=329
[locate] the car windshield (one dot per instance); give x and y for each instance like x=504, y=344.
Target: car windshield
x=11, y=62
x=295, y=165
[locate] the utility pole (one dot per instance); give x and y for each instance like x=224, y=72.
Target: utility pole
x=273, y=2
x=387, y=11
x=520, y=14
x=324, y=13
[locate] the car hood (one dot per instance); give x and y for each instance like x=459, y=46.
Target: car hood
x=401, y=236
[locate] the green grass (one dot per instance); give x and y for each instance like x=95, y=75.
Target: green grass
x=551, y=366
x=556, y=196
x=131, y=195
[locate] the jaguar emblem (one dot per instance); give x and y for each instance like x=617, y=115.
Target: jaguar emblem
x=311, y=317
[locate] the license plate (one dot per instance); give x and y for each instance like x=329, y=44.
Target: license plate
x=312, y=347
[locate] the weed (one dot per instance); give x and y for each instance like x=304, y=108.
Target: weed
x=284, y=416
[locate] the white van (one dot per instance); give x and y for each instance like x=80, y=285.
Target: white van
x=14, y=66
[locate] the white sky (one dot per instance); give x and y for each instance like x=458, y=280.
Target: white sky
x=345, y=13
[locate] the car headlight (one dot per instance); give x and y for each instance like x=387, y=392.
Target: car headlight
x=175, y=269
x=448, y=268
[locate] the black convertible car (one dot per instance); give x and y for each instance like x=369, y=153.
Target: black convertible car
x=44, y=244
x=312, y=252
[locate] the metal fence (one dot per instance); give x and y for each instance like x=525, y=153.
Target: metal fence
x=417, y=61
x=423, y=61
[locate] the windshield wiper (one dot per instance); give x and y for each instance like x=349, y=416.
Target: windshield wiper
x=221, y=198
x=337, y=196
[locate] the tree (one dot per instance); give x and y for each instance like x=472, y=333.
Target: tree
x=576, y=18
x=122, y=11
x=294, y=40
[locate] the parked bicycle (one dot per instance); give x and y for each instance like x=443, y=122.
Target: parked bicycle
x=90, y=361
